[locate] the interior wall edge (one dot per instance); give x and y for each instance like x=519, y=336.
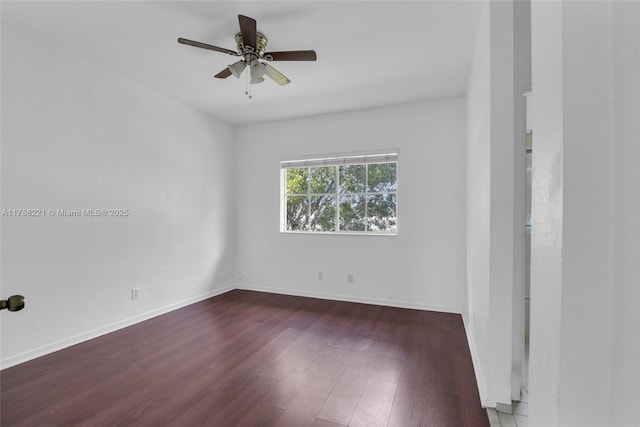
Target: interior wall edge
x=477, y=367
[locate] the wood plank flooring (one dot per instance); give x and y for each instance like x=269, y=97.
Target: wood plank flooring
x=248, y=359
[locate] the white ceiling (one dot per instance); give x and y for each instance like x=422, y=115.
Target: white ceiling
x=370, y=53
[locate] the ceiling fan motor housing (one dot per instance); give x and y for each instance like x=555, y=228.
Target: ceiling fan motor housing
x=261, y=45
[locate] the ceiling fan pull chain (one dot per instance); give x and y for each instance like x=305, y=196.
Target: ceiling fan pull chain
x=247, y=86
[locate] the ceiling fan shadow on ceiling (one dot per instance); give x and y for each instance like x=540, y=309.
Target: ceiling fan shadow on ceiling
x=251, y=47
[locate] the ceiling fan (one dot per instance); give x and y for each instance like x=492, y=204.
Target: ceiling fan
x=251, y=46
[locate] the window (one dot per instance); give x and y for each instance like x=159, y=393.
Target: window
x=347, y=194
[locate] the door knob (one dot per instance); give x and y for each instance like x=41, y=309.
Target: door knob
x=14, y=303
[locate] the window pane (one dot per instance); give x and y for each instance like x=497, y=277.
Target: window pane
x=340, y=196
x=382, y=178
x=323, y=214
x=352, y=213
x=297, y=213
x=352, y=178
x=381, y=213
x=297, y=180
x=323, y=180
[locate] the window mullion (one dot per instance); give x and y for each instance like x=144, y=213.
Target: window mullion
x=366, y=197
x=336, y=227
x=309, y=199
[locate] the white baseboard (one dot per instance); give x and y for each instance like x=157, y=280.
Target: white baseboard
x=77, y=339
x=482, y=385
x=494, y=420
x=95, y=333
x=350, y=298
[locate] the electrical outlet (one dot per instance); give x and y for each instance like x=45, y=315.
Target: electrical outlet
x=135, y=293
x=349, y=278
x=320, y=275
x=240, y=276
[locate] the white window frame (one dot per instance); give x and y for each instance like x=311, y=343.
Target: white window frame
x=336, y=160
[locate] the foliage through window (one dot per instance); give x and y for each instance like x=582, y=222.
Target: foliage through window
x=355, y=194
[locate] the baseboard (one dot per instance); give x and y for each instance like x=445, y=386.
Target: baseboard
x=482, y=385
x=494, y=420
x=350, y=298
x=95, y=333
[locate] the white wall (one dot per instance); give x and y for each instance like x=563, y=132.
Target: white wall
x=76, y=136
x=478, y=215
x=490, y=203
x=624, y=382
x=522, y=86
x=424, y=266
x=585, y=344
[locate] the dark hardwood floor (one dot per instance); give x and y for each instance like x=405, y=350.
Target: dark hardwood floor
x=249, y=358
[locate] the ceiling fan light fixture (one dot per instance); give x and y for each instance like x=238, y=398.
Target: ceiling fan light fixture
x=237, y=68
x=258, y=71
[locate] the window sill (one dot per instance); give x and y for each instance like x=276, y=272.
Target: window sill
x=341, y=233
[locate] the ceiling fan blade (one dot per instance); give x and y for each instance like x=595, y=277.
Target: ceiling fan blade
x=276, y=75
x=291, y=55
x=207, y=46
x=223, y=74
x=248, y=31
